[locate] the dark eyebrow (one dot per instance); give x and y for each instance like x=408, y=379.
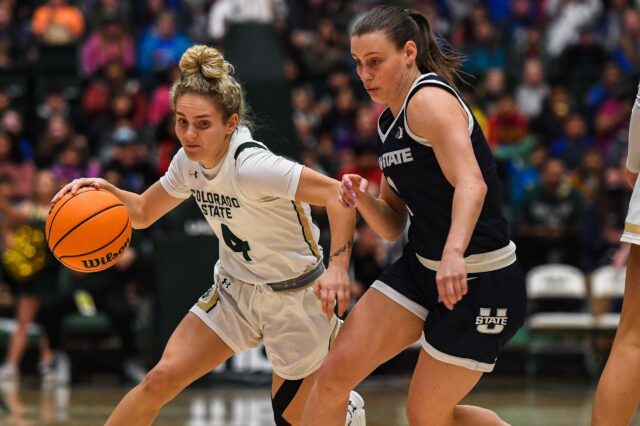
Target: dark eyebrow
x=366, y=54
x=197, y=116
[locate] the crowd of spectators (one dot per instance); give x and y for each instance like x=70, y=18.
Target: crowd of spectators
x=84, y=92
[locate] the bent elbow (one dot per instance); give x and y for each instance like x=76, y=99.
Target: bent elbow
x=390, y=238
x=138, y=225
x=139, y=220
x=482, y=188
x=393, y=234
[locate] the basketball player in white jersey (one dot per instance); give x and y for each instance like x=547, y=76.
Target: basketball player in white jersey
x=270, y=261
x=618, y=392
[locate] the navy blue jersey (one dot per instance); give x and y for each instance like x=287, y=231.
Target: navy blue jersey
x=411, y=169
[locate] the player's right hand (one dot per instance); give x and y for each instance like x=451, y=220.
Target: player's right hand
x=352, y=187
x=333, y=285
x=451, y=278
x=73, y=186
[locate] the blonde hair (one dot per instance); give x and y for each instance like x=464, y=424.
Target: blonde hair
x=206, y=73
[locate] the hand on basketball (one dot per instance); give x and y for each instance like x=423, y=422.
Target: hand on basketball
x=352, y=188
x=451, y=279
x=333, y=284
x=73, y=186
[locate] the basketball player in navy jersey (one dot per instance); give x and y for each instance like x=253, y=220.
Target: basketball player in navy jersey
x=457, y=288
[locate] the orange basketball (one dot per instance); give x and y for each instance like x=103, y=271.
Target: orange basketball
x=88, y=231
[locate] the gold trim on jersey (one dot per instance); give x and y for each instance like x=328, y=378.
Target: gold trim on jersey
x=334, y=333
x=631, y=227
x=306, y=229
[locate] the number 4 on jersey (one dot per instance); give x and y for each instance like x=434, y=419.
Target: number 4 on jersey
x=235, y=243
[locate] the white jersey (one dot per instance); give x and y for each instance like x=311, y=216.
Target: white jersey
x=633, y=155
x=265, y=236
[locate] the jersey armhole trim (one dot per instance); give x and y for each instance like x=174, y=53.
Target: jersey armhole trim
x=246, y=145
x=422, y=140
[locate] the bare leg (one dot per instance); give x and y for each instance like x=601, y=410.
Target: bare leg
x=365, y=341
x=46, y=354
x=293, y=412
x=618, y=391
x=192, y=351
x=436, y=389
x=26, y=310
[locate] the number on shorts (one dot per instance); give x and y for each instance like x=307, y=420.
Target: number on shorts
x=235, y=243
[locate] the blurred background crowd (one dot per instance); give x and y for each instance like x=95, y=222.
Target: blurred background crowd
x=84, y=92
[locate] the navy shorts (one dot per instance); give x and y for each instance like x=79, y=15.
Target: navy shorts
x=472, y=334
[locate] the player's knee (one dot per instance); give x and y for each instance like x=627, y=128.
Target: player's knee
x=466, y=414
x=419, y=415
x=334, y=379
x=160, y=383
x=489, y=418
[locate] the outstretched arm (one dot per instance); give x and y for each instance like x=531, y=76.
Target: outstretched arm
x=317, y=189
x=386, y=214
x=144, y=209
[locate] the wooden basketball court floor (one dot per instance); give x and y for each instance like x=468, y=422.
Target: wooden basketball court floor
x=548, y=402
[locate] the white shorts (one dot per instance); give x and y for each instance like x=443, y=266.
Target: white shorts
x=631, y=232
x=291, y=325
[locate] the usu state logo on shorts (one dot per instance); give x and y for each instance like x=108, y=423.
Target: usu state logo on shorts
x=486, y=323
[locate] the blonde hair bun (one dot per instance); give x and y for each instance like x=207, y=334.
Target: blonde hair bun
x=206, y=73
x=205, y=60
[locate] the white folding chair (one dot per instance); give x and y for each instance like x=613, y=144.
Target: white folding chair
x=559, y=321
x=607, y=282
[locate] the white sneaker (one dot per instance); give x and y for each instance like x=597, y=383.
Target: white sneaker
x=47, y=375
x=9, y=373
x=355, y=410
x=62, y=368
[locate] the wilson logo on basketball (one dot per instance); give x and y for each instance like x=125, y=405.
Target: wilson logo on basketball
x=104, y=260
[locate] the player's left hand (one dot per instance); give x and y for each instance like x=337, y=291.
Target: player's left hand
x=451, y=279
x=333, y=284
x=352, y=188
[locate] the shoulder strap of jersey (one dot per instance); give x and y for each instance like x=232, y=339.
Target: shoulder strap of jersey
x=432, y=79
x=246, y=145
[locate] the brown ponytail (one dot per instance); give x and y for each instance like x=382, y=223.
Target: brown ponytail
x=402, y=25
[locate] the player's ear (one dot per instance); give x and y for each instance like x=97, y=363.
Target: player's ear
x=410, y=52
x=232, y=123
